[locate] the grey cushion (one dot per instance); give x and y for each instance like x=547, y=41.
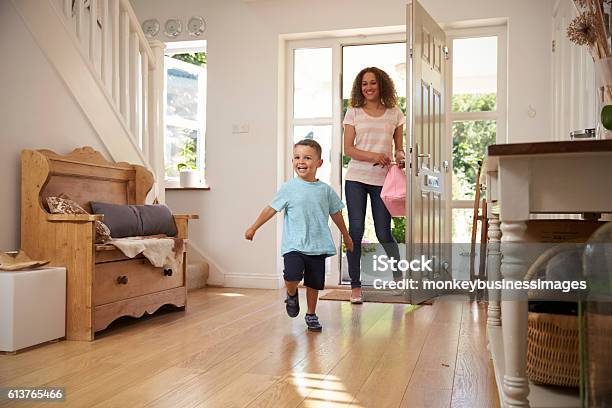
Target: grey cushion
x=157, y=219
x=122, y=220
x=136, y=220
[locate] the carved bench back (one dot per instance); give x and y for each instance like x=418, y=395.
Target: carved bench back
x=84, y=175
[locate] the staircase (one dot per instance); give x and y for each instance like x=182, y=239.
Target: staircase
x=115, y=74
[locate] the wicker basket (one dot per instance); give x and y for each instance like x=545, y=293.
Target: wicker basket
x=552, y=352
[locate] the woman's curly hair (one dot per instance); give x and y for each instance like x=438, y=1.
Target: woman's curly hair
x=386, y=88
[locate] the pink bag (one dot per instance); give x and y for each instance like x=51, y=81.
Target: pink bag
x=393, y=192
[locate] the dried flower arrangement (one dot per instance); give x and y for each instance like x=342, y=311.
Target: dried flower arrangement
x=589, y=27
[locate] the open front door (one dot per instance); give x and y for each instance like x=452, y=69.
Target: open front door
x=426, y=121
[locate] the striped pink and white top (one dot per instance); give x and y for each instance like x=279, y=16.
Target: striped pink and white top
x=372, y=134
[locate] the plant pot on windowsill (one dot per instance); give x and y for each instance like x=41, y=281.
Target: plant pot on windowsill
x=188, y=177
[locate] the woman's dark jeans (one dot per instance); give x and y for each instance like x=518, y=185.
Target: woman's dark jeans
x=356, y=200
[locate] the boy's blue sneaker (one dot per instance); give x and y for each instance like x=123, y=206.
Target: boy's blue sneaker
x=312, y=321
x=293, y=304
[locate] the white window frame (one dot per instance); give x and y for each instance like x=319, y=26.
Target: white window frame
x=395, y=34
x=500, y=115
x=188, y=47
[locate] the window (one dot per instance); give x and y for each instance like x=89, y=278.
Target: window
x=476, y=120
x=185, y=112
x=474, y=98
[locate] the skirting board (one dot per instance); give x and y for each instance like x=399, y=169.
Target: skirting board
x=255, y=281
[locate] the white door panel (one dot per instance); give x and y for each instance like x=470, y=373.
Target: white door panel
x=426, y=126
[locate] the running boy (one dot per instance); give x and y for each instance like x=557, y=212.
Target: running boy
x=307, y=239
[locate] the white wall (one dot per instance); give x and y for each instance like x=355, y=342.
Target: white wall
x=243, y=50
x=574, y=91
x=36, y=112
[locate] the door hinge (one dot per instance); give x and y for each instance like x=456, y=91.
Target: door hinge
x=446, y=52
x=553, y=45
x=410, y=52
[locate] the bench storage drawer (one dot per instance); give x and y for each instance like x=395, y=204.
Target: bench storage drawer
x=130, y=278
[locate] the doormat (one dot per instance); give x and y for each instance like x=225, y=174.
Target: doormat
x=375, y=296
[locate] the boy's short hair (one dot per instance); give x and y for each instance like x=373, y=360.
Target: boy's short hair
x=310, y=143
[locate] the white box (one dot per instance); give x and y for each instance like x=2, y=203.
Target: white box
x=32, y=307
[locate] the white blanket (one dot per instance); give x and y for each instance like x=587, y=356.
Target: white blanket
x=161, y=252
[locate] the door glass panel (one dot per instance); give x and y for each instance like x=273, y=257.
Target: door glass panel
x=312, y=95
x=462, y=225
x=323, y=135
x=391, y=58
x=470, y=141
x=462, y=230
x=474, y=74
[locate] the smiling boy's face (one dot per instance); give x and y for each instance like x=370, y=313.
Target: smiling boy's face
x=306, y=161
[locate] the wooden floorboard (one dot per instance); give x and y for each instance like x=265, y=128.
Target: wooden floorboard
x=238, y=348
x=473, y=387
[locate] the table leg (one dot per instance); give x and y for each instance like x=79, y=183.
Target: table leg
x=514, y=315
x=493, y=271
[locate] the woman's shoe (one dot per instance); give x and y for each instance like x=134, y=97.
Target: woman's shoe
x=397, y=292
x=356, y=298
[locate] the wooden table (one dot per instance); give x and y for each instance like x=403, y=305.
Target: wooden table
x=523, y=179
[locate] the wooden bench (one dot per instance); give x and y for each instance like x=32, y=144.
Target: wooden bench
x=102, y=283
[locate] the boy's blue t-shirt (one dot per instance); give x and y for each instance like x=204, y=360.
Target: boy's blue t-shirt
x=307, y=206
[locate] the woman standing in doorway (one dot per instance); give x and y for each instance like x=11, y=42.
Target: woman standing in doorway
x=373, y=134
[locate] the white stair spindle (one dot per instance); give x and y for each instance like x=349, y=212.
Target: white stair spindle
x=124, y=65
x=68, y=9
x=156, y=125
x=144, y=66
x=80, y=24
x=114, y=48
x=104, y=62
x=93, y=29
x=134, y=94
